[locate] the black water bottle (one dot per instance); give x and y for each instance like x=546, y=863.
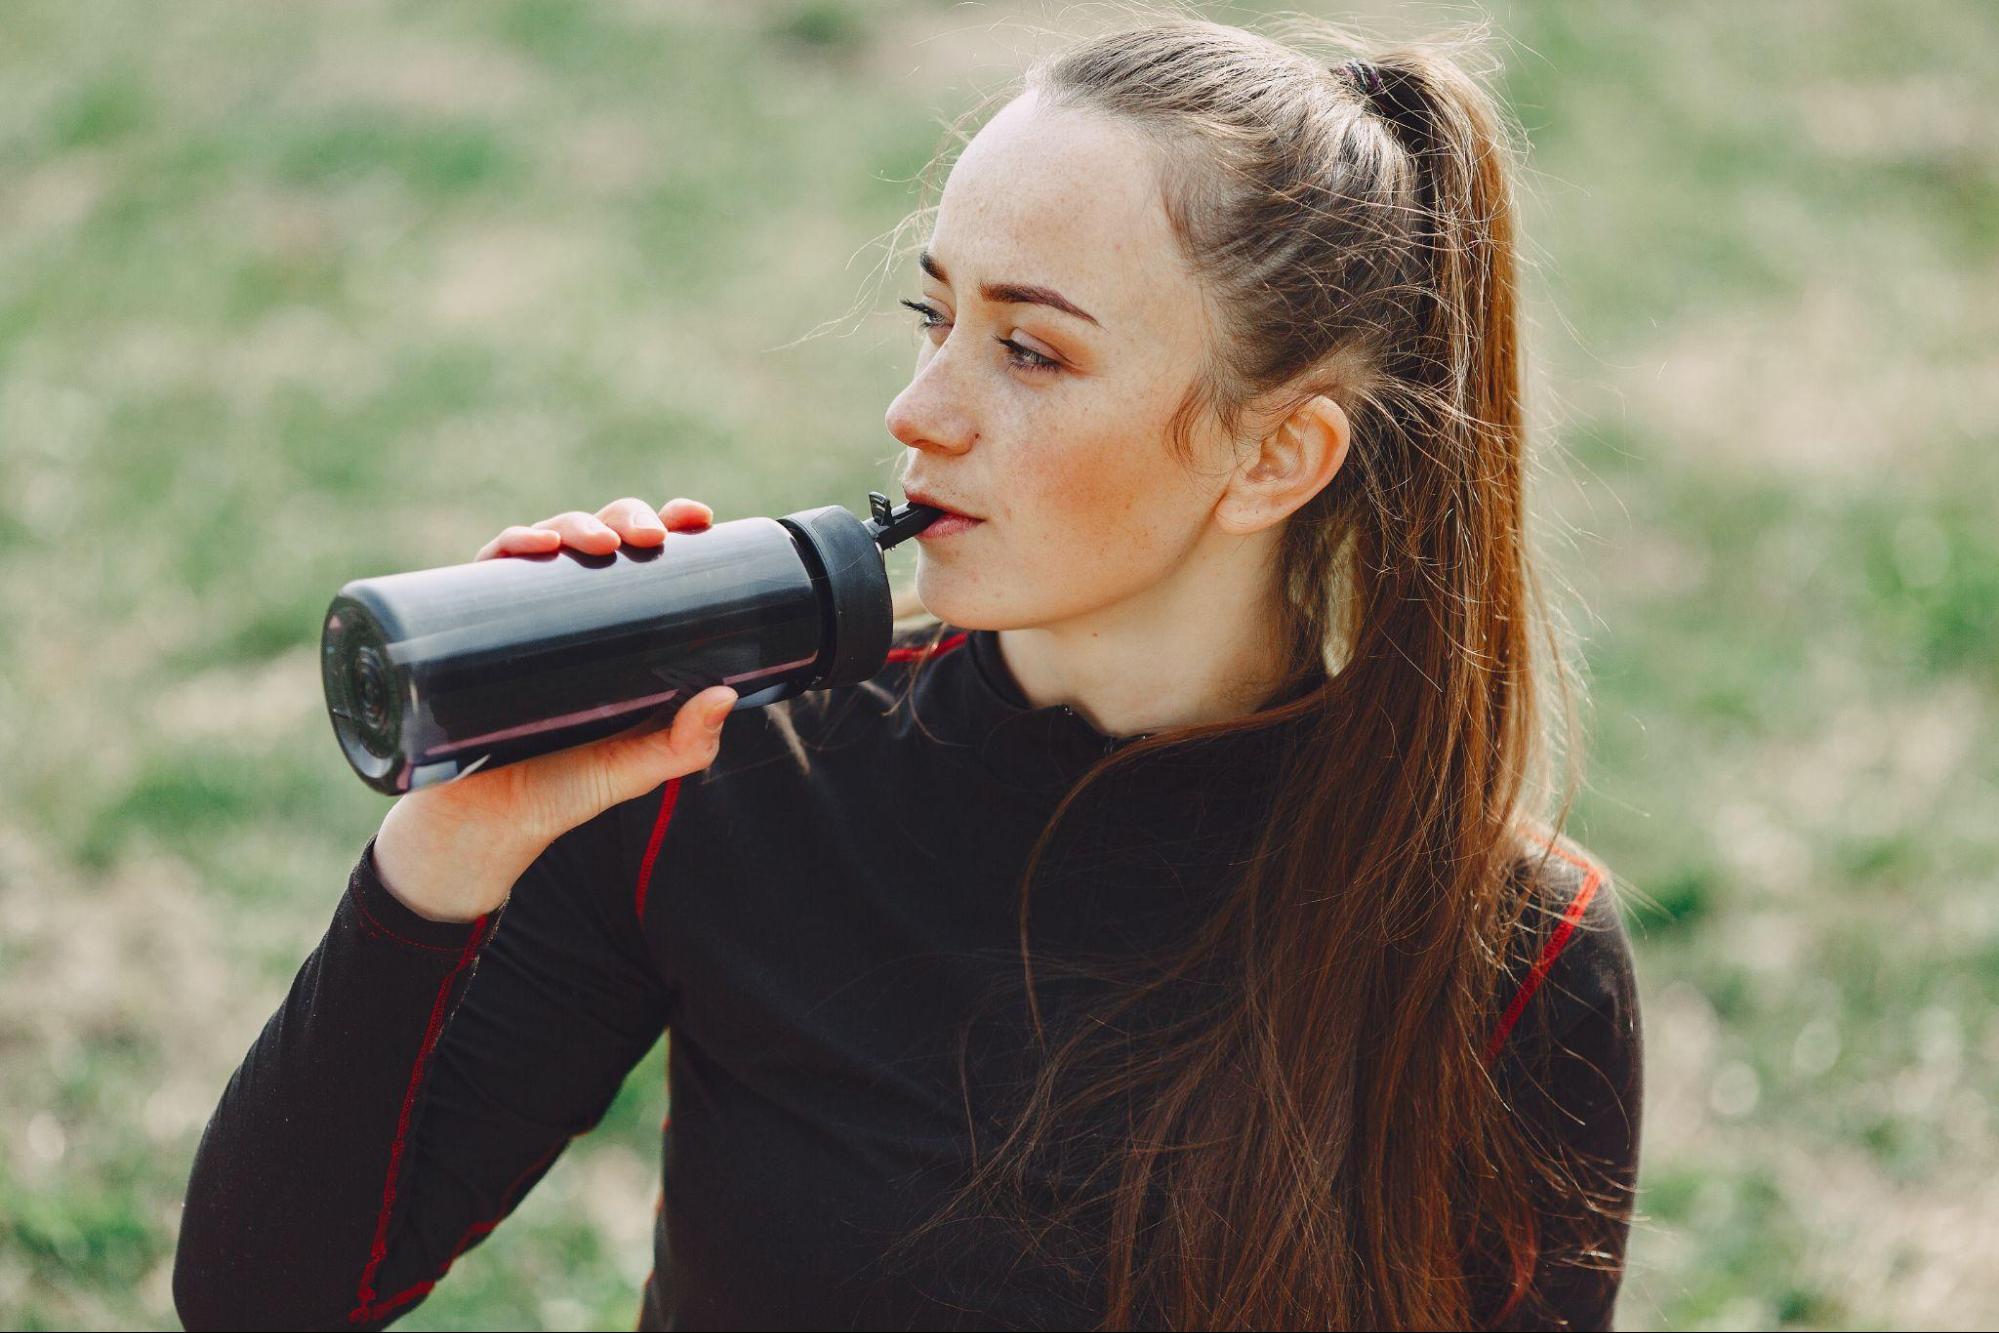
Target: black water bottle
x=432, y=674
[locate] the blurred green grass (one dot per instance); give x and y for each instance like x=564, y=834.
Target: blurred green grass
x=290, y=295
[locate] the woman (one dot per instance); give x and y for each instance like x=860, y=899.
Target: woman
x=1164, y=938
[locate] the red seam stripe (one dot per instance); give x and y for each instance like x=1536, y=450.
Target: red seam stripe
x=472, y=1232
x=665, y=817
x=918, y=652
x=365, y=1293
x=373, y=921
x=380, y=1308
x=1592, y=877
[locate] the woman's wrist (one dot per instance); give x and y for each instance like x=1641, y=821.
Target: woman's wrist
x=447, y=870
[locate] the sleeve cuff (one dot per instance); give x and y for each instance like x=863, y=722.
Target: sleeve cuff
x=384, y=916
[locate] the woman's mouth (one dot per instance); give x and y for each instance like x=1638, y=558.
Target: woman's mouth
x=947, y=526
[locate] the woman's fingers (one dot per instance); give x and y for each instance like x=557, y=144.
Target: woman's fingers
x=681, y=512
x=634, y=521
x=639, y=524
x=627, y=520
x=520, y=540
x=585, y=532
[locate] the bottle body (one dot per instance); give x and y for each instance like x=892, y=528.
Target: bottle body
x=432, y=674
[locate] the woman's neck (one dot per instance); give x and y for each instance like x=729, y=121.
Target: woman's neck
x=1171, y=657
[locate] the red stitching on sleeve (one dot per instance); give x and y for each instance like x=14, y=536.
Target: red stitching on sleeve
x=473, y=1232
x=666, y=804
x=364, y=1295
x=370, y=918
x=380, y=1308
x=1592, y=877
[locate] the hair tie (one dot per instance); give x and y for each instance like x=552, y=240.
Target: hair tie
x=1364, y=74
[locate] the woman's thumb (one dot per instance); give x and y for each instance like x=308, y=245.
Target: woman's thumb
x=716, y=705
x=643, y=760
x=701, y=726
x=696, y=725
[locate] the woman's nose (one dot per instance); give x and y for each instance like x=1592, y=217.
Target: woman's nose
x=929, y=414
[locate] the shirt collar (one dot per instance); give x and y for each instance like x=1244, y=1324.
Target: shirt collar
x=966, y=694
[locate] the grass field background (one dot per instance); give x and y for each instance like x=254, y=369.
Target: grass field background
x=294, y=294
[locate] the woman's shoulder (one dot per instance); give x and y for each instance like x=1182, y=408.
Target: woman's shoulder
x=1570, y=959
x=1572, y=1072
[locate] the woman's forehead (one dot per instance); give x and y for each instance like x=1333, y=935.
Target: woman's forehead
x=1061, y=199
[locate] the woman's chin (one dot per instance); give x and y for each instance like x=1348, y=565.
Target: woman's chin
x=947, y=595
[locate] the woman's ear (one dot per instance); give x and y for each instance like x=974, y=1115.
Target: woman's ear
x=1289, y=466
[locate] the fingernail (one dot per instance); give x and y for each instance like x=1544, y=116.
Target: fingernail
x=721, y=711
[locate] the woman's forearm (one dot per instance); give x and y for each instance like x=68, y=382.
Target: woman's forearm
x=292, y=1189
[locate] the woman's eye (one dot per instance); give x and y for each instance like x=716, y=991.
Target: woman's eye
x=1025, y=358
x=931, y=319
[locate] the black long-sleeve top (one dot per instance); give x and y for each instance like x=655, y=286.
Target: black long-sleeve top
x=813, y=939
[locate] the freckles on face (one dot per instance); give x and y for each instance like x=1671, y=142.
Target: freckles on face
x=1087, y=500
x=1107, y=507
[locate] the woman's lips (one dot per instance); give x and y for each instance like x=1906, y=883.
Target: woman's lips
x=947, y=526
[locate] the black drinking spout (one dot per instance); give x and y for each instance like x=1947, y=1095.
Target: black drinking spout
x=891, y=527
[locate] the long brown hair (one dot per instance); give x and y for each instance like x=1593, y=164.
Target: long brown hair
x=1326, y=1146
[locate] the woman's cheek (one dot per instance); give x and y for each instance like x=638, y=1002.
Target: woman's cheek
x=1109, y=545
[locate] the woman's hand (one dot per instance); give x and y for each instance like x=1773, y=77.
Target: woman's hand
x=629, y=521
x=452, y=852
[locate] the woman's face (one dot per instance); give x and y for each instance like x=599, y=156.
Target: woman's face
x=1084, y=505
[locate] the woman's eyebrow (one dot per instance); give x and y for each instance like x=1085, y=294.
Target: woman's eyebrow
x=1012, y=293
